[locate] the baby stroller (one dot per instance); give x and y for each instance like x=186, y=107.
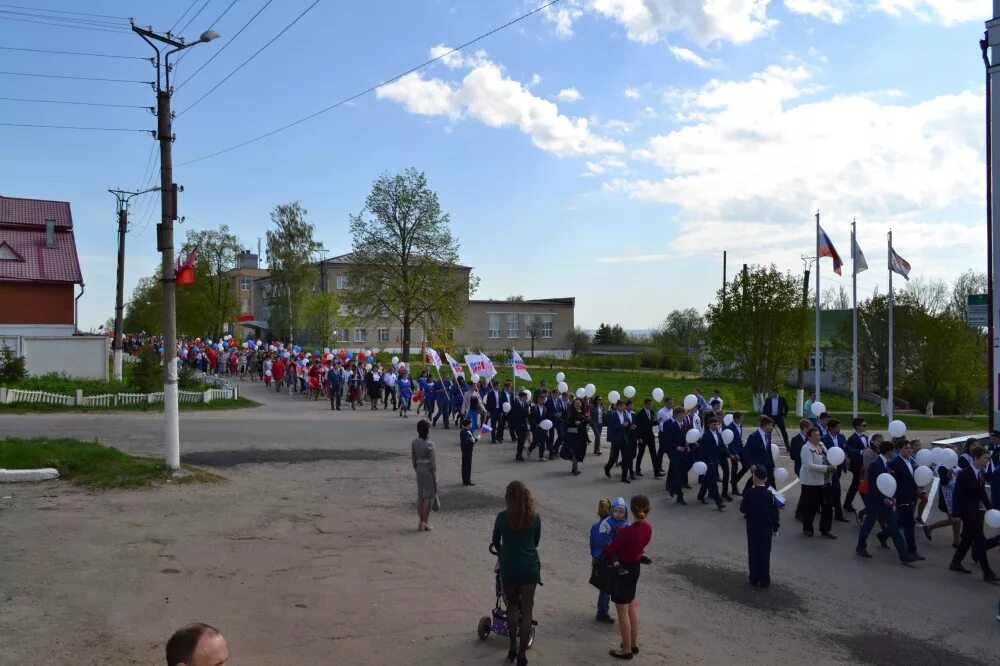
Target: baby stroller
x=496, y=622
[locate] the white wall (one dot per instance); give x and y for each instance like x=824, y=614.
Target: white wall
x=83, y=356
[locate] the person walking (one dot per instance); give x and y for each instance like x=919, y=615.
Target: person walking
x=467, y=442
x=881, y=508
x=761, y=513
x=645, y=419
x=814, y=475
x=517, y=531
x=597, y=416
x=776, y=407
x=576, y=434
x=971, y=502
x=856, y=445
x=627, y=548
x=422, y=451
x=335, y=380
x=517, y=420
x=712, y=450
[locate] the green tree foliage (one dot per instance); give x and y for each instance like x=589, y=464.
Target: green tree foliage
x=290, y=254
x=756, y=331
x=318, y=318
x=144, y=310
x=950, y=368
x=969, y=282
x=212, y=293
x=404, y=260
x=147, y=375
x=13, y=368
x=610, y=335
x=681, y=331
x=578, y=341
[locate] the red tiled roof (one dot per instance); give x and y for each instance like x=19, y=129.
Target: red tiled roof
x=34, y=212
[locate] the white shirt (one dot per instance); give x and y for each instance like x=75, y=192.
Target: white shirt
x=774, y=406
x=664, y=415
x=715, y=397
x=390, y=379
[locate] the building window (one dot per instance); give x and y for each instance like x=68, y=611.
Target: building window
x=341, y=282
x=494, y=325
x=547, y=326
x=513, y=327
x=383, y=335
x=342, y=309
x=360, y=334
x=246, y=283
x=344, y=334
x=266, y=311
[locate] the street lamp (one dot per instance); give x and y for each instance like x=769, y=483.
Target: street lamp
x=165, y=234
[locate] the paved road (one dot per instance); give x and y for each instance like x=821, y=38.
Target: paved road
x=826, y=606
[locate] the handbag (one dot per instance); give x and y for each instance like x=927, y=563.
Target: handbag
x=435, y=503
x=604, y=576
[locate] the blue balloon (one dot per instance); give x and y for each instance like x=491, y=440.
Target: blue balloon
x=160, y=350
x=349, y=356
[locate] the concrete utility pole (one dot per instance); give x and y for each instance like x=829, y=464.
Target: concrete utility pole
x=123, y=197
x=165, y=234
x=992, y=61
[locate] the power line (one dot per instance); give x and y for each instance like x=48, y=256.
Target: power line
x=74, y=53
x=64, y=19
x=212, y=25
x=61, y=101
x=193, y=17
x=247, y=61
x=171, y=31
x=355, y=96
x=61, y=11
x=64, y=25
x=223, y=48
x=76, y=78
x=75, y=127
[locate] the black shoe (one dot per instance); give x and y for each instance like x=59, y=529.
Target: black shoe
x=990, y=577
x=620, y=655
x=806, y=533
x=680, y=500
x=626, y=481
x=884, y=541
x=519, y=458
x=720, y=506
x=576, y=472
x=909, y=559
x=927, y=533
x=849, y=509
x=637, y=473
x=606, y=619
x=607, y=472
x=959, y=568
x=727, y=498
x=829, y=535
x=645, y=560
x=736, y=492
x=917, y=556
x=863, y=553
x=470, y=483
x=841, y=519
x=687, y=487
x=703, y=500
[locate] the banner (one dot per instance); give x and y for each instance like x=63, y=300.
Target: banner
x=476, y=364
x=432, y=357
x=456, y=367
x=489, y=370
x=520, y=369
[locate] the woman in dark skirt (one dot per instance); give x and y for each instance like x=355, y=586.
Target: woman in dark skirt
x=627, y=547
x=576, y=434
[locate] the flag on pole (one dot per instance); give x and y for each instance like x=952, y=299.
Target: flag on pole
x=860, y=264
x=433, y=357
x=489, y=370
x=520, y=369
x=899, y=265
x=826, y=249
x=475, y=363
x=456, y=367
x=184, y=270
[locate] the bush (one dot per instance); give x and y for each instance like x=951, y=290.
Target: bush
x=147, y=375
x=12, y=368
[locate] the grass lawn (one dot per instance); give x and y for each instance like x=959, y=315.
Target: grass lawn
x=93, y=465
x=34, y=407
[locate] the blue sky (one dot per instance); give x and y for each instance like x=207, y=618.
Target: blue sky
x=604, y=149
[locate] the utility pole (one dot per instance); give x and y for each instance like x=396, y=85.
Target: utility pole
x=723, y=279
x=991, y=48
x=165, y=233
x=123, y=197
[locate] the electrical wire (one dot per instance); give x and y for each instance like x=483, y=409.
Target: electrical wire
x=150, y=205
x=74, y=53
x=62, y=11
x=64, y=19
x=76, y=127
x=64, y=25
x=247, y=61
x=355, y=96
x=61, y=101
x=193, y=17
x=193, y=3
x=223, y=48
x=75, y=78
x=212, y=25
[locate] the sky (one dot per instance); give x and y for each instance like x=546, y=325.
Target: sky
x=610, y=150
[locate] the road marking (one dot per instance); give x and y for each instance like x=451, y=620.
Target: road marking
x=790, y=485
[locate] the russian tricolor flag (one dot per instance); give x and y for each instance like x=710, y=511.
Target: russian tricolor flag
x=826, y=249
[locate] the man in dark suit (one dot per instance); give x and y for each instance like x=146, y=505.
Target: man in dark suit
x=835, y=438
x=598, y=417
x=906, y=496
x=970, y=503
x=494, y=408
x=645, y=420
x=757, y=452
x=518, y=423
x=629, y=444
x=776, y=407
x=711, y=451
x=539, y=437
x=506, y=395
x=336, y=380
x=616, y=423
x=737, y=468
x=856, y=445
x=677, y=451
x=880, y=506
x=761, y=513
x=467, y=441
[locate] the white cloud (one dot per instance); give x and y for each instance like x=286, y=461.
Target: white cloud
x=569, y=95
x=563, y=17
x=605, y=165
x=494, y=99
x=689, y=56
x=646, y=21
x=834, y=11
x=632, y=93
x=755, y=158
x=948, y=12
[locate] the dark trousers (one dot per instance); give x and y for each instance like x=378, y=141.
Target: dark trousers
x=973, y=538
x=907, y=524
x=616, y=451
x=467, y=463
x=647, y=441
x=676, y=473
x=597, y=437
x=540, y=439
x=334, y=398
x=443, y=409
x=838, y=508
x=879, y=511
x=779, y=423
x=725, y=475
x=521, y=434
x=520, y=606
x=735, y=476
x=852, y=490
x=628, y=458
x=557, y=434
x=710, y=484
x=387, y=392
x=812, y=500
x=495, y=423
x=759, y=557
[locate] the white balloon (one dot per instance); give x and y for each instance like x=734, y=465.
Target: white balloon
x=658, y=394
x=563, y=387
x=993, y=519
x=580, y=393
x=780, y=475
x=692, y=436
x=613, y=397
x=924, y=457
x=529, y=394
x=818, y=408
x=728, y=437
x=629, y=391
x=938, y=453
x=560, y=376
x=506, y=408
x=835, y=455
x=897, y=428
x=474, y=379
x=545, y=424
x=268, y=373
x=886, y=484
x=329, y=357
x=727, y=420
x=395, y=360
x=591, y=390
x=950, y=458
x=368, y=366
x=923, y=476
x=690, y=401
x=699, y=467
x=775, y=452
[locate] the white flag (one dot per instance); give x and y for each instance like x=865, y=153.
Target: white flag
x=489, y=370
x=456, y=367
x=520, y=369
x=899, y=265
x=433, y=357
x=860, y=264
x=476, y=364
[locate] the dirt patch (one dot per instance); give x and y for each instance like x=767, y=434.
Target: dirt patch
x=733, y=586
x=465, y=499
x=293, y=456
x=889, y=648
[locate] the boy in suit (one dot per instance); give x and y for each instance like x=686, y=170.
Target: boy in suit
x=677, y=452
x=970, y=504
x=616, y=437
x=713, y=451
x=761, y=513
x=776, y=407
x=737, y=468
x=467, y=441
x=517, y=421
x=906, y=495
x=881, y=507
x=835, y=438
x=645, y=419
x=856, y=445
x=757, y=452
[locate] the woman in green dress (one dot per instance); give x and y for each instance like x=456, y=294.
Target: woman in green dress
x=516, y=533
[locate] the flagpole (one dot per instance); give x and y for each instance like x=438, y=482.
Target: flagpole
x=513, y=371
x=854, y=316
x=816, y=357
x=889, y=406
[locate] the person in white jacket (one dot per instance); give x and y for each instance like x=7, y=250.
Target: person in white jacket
x=815, y=475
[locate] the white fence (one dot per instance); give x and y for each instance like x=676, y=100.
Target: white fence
x=11, y=396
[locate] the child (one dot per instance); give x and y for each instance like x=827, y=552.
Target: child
x=761, y=513
x=611, y=517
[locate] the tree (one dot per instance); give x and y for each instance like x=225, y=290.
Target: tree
x=756, y=334
x=929, y=295
x=290, y=254
x=950, y=364
x=144, y=310
x=13, y=368
x=679, y=331
x=516, y=298
x=836, y=299
x=318, y=317
x=610, y=335
x=218, y=250
x=404, y=260
x=533, y=329
x=577, y=340
x=969, y=282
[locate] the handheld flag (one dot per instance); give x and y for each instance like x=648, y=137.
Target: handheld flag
x=476, y=364
x=184, y=270
x=520, y=369
x=456, y=367
x=860, y=263
x=899, y=265
x=826, y=249
x=433, y=357
x=489, y=370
